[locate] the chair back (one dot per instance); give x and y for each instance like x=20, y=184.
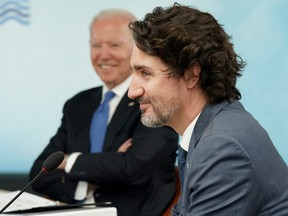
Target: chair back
x=176, y=196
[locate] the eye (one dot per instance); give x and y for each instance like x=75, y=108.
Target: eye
x=144, y=73
x=95, y=45
x=115, y=45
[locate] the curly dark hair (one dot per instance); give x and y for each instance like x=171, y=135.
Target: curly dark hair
x=183, y=36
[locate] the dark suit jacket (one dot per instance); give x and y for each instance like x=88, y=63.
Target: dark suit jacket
x=138, y=182
x=232, y=168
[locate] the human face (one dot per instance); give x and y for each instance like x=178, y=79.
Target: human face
x=157, y=94
x=111, y=47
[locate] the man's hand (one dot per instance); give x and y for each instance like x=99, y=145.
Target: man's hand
x=125, y=146
x=63, y=164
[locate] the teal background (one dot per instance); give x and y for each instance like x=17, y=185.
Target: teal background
x=47, y=60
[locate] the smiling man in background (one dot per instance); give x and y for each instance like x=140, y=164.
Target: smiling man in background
x=131, y=166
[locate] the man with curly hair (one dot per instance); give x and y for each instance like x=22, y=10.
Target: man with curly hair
x=184, y=76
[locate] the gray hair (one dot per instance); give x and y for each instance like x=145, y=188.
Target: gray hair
x=115, y=12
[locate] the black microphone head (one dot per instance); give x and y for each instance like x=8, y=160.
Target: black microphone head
x=53, y=161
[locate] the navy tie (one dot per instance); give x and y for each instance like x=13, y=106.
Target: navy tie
x=182, y=156
x=99, y=124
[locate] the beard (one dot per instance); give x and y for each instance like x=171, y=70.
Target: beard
x=162, y=113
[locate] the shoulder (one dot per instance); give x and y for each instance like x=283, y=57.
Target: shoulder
x=86, y=95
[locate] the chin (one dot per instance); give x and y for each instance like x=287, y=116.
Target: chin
x=150, y=120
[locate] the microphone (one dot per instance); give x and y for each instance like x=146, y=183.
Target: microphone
x=51, y=163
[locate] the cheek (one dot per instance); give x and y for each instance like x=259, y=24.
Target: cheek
x=124, y=54
x=166, y=92
x=154, y=92
x=124, y=59
x=93, y=55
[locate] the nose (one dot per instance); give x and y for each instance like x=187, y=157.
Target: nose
x=104, y=53
x=135, y=90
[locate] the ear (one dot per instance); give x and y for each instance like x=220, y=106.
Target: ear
x=192, y=76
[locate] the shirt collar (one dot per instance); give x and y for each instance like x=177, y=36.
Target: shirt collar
x=120, y=89
x=185, y=139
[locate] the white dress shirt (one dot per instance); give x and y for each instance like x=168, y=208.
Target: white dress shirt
x=185, y=139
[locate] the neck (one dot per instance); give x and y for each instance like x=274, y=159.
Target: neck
x=190, y=109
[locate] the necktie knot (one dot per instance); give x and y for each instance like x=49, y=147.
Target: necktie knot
x=108, y=96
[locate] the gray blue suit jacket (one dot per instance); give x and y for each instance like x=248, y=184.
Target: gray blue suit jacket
x=232, y=167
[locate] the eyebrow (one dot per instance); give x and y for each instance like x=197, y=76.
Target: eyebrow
x=139, y=67
x=147, y=68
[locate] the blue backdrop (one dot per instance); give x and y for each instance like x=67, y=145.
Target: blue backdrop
x=44, y=60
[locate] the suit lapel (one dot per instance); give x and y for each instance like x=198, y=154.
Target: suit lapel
x=87, y=108
x=206, y=116
x=122, y=113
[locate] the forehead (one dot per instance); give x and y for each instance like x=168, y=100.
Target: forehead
x=113, y=27
x=141, y=60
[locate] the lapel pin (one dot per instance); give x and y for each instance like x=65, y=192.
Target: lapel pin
x=131, y=104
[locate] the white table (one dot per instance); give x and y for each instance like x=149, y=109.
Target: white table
x=95, y=211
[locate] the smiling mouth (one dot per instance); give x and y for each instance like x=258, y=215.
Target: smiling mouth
x=105, y=66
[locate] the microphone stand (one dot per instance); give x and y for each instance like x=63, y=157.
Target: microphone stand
x=51, y=163
x=11, y=201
